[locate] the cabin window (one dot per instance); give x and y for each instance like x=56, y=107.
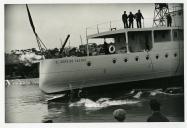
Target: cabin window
x=120, y=43
x=175, y=35
x=178, y=34
x=139, y=41
x=180, y=13
x=162, y=36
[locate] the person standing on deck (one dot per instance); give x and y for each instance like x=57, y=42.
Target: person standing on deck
x=157, y=116
x=131, y=20
x=169, y=20
x=124, y=18
x=139, y=16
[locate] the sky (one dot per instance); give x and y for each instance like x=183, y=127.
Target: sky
x=53, y=22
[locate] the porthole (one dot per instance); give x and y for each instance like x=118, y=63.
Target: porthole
x=114, y=61
x=137, y=58
x=147, y=57
x=157, y=56
x=125, y=60
x=166, y=55
x=175, y=54
x=88, y=63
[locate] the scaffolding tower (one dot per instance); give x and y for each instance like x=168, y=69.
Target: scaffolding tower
x=160, y=13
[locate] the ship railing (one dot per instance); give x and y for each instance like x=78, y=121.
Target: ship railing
x=117, y=25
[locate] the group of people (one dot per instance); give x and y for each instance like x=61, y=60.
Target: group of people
x=128, y=20
x=157, y=116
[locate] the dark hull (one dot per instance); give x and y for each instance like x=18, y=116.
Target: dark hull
x=176, y=81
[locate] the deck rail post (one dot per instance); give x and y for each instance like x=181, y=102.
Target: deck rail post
x=171, y=34
x=127, y=42
x=153, y=39
x=110, y=26
x=97, y=28
x=87, y=49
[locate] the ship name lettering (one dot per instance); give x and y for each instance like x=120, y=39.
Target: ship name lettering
x=70, y=60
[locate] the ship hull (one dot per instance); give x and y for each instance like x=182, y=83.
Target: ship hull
x=58, y=75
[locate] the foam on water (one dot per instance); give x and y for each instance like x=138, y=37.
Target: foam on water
x=170, y=94
x=155, y=92
x=161, y=92
x=138, y=95
x=101, y=103
x=55, y=96
x=131, y=92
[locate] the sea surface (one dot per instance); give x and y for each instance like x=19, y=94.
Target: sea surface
x=25, y=103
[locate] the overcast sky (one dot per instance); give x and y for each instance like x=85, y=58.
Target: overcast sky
x=54, y=21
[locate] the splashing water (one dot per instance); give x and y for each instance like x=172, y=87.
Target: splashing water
x=102, y=103
x=155, y=92
x=138, y=95
x=171, y=92
x=133, y=91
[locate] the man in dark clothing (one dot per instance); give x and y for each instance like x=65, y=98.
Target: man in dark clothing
x=169, y=20
x=157, y=116
x=105, y=47
x=139, y=16
x=131, y=20
x=124, y=18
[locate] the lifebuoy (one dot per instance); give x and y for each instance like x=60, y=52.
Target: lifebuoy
x=111, y=49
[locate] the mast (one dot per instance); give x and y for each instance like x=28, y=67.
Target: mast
x=41, y=45
x=66, y=40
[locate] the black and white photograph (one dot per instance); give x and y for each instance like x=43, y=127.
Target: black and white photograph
x=94, y=62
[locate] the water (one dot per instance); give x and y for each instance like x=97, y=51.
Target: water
x=25, y=103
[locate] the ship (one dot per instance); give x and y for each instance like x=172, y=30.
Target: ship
x=135, y=54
